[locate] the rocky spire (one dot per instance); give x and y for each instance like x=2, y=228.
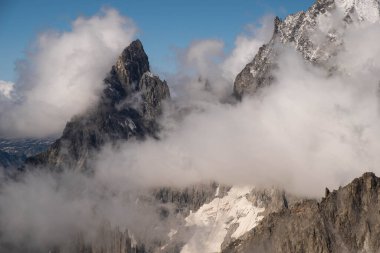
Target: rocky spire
x=131, y=101
x=125, y=75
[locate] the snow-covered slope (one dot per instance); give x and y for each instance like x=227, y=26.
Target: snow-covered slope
x=366, y=10
x=317, y=34
x=232, y=215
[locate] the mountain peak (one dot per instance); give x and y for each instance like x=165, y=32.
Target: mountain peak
x=119, y=115
x=128, y=70
x=135, y=46
x=298, y=30
x=135, y=53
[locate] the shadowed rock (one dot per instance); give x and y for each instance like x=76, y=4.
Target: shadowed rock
x=129, y=105
x=346, y=220
x=301, y=31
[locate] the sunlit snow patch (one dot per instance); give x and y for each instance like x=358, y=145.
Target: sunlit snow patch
x=213, y=220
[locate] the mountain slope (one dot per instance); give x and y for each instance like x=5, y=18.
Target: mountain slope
x=128, y=107
x=316, y=34
x=346, y=220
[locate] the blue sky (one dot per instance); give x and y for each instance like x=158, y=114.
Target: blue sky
x=163, y=25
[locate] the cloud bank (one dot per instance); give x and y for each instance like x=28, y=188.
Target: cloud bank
x=45, y=209
x=62, y=74
x=312, y=128
x=205, y=66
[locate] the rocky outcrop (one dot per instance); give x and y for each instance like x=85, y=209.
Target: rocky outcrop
x=346, y=220
x=214, y=217
x=130, y=103
x=316, y=34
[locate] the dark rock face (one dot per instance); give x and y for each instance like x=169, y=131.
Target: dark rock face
x=8, y=160
x=256, y=73
x=305, y=32
x=346, y=220
x=128, y=108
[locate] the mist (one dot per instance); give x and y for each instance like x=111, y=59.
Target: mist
x=206, y=70
x=312, y=128
x=62, y=74
x=45, y=210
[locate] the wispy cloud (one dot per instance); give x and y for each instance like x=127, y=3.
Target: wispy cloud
x=312, y=128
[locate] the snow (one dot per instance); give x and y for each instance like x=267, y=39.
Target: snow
x=172, y=233
x=128, y=123
x=131, y=124
x=150, y=74
x=367, y=10
x=213, y=220
x=133, y=240
x=217, y=191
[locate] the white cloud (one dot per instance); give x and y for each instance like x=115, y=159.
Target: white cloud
x=246, y=47
x=206, y=60
x=62, y=75
x=44, y=210
x=307, y=131
x=6, y=88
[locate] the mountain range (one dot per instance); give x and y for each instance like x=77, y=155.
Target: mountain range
x=212, y=217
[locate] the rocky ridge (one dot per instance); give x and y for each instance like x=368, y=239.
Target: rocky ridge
x=346, y=220
x=316, y=34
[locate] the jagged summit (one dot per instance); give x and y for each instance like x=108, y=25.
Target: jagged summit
x=128, y=108
x=315, y=33
x=126, y=73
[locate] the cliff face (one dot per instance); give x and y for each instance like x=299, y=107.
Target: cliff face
x=128, y=108
x=316, y=34
x=346, y=220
